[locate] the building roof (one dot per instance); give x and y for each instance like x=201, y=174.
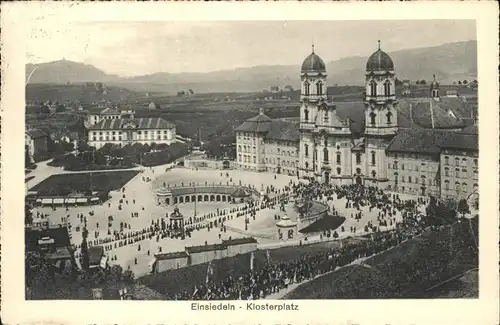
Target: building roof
x=463, y=140
x=354, y=112
x=283, y=131
x=142, y=292
x=138, y=123
x=171, y=256
x=239, y=241
x=110, y=111
x=59, y=234
x=417, y=141
x=313, y=63
x=36, y=133
x=285, y=222
x=432, y=114
x=470, y=130
x=379, y=61
x=205, y=248
x=259, y=124
x=95, y=254
x=240, y=192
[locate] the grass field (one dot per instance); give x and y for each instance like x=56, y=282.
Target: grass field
x=407, y=271
x=64, y=184
x=328, y=222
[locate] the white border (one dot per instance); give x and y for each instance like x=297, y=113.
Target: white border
x=16, y=17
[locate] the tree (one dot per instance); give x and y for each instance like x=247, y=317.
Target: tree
x=459, y=82
x=85, y=254
x=417, y=82
x=463, y=207
x=423, y=82
x=465, y=82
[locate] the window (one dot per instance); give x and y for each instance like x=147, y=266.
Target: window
x=338, y=171
x=239, y=158
x=254, y=159
x=457, y=162
x=387, y=88
x=464, y=173
x=319, y=88
x=446, y=185
x=315, y=154
x=446, y=171
x=395, y=165
x=464, y=162
x=253, y=150
x=402, y=179
x=325, y=116
x=239, y=148
x=372, y=118
x=358, y=171
x=446, y=160
x=373, y=157
x=338, y=158
x=306, y=150
x=457, y=172
x=409, y=179
x=395, y=178
x=358, y=158
x=464, y=187
x=423, y=179
x=474, y=188
x=389, y=115
x=475, y=162
x=475, y=176
x=307, y=165
x=374, y=174
x=457, y=186
x=306, y=88
x=306, y=115
x=93, y=138
x=325, y=155
x=373, y=88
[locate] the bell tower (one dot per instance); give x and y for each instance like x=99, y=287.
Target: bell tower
x=381, y=120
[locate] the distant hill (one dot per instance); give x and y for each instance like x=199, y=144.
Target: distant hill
x=450, y=62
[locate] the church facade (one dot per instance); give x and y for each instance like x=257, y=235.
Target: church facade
x=385, y=154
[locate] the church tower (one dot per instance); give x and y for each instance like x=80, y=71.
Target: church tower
x=312, y=96
x=434, y=89
x=381, y=122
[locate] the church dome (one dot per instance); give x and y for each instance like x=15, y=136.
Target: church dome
x=313, y=63
x=434, y=83
x=379, y=61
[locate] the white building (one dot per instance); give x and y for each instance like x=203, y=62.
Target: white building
x=129, y=131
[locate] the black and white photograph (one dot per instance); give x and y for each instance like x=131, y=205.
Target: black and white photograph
x=252, y=164
x=252, y=160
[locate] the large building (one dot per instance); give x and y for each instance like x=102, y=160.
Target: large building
x=123, y=131
x=406, y=144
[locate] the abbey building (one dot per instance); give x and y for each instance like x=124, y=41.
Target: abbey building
x=420, y=146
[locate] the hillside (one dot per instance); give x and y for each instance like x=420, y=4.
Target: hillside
x=450, y=62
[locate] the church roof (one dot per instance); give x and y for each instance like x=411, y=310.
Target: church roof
x=379, y=61
x=417, y=141
x=313, y=63
x=140, y=123
x=463, y=140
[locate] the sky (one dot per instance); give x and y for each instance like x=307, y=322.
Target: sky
x=139, y=48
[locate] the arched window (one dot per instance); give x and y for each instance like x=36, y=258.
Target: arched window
x=325, y=155
x=315, y=154
x=457, y=172
x=338, y=171
x=464, y=173
x=325, y=142
x=446, y=185
x=457, y=162
x=319, y=88
x=464, y=162
x=423, y=179
x=306, y=88
x=306, y=115
x=358, y=158
x=373, y=88
x=446, y=160
x=373, y=157
x=475, y=174
x=446, y=171
x=395, y=165
x=389, y=115
x=396, y=178
x=306, y=150
x=435, y=93
x=358, y=171
x=372, y=118
x=338, y=158
x=457, y=186
x=387, y=88
x=374, y=174
x=307, y=165
x=464, y=187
